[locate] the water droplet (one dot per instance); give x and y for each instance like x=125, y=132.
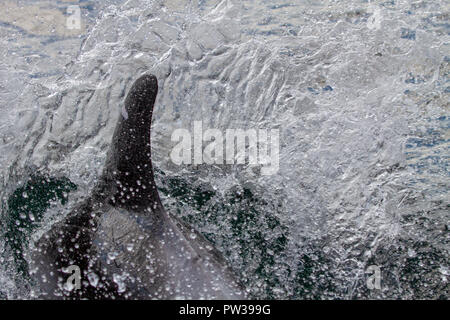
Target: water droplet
x=120, y=281
x=93, y=279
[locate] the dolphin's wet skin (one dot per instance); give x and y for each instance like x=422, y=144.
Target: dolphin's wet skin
x=122, y=240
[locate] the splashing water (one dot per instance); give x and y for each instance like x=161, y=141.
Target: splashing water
x=359, y=91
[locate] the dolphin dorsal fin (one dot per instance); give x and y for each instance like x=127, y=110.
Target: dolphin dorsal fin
x=129, y=172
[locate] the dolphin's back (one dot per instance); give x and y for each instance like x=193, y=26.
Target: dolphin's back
x=121, y=238
x=128, y=255
x=157, y=260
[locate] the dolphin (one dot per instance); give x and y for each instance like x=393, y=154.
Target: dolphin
x=120, y=242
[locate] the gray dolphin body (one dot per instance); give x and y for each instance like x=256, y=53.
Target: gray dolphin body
x=121, y=238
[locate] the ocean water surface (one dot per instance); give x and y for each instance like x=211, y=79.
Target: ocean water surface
x=359, y=91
